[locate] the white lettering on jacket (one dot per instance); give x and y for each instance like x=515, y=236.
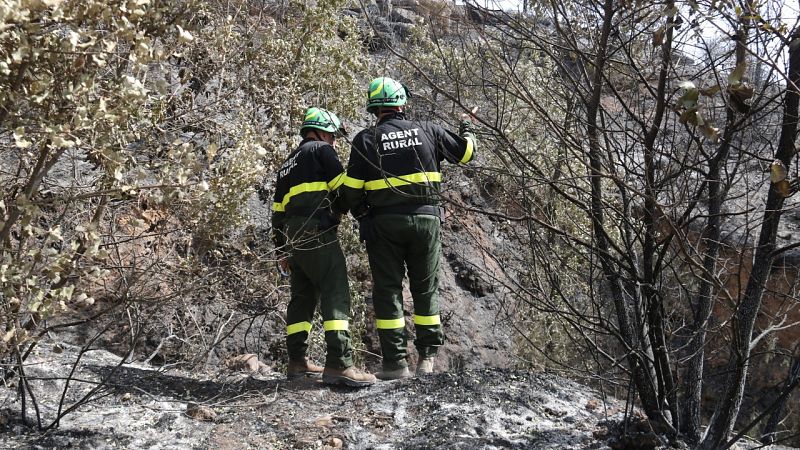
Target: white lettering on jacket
x=288, y=166
x=400, y=139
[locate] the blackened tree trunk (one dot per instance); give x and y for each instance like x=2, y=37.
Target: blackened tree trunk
x=667, y=397
x=724, y=418
x=628, y=312
x=703, y=302
x=768, y=434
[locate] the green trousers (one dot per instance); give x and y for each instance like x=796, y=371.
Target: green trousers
x=319, y=276
x=399, y=242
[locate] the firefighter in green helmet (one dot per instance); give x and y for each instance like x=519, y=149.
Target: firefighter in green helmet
x=393, y=187
x=305, y=216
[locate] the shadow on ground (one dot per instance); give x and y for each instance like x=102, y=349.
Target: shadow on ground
x=158, y=384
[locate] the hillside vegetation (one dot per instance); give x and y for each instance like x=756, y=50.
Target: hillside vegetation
x=630, y=220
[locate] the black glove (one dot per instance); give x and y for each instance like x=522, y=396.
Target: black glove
x=466, y=126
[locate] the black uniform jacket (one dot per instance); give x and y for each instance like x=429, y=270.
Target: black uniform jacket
x=397, y=162
x=306, y=186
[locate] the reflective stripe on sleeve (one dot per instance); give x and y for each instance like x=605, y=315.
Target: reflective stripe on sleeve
x=468, y=152
x=335, y=325
x=403, y=180
x=314, y=186
x=390, y=324
x=427, y=320
x=337, y=181
x=354, y=183
x=298, y=327
x=278, y=207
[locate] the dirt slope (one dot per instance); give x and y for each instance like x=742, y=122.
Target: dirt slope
x=145, y=408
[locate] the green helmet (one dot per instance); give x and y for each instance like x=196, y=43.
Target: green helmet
x=322, y=119
x=385, y=91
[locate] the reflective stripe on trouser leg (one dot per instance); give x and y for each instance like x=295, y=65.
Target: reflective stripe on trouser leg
x=336, y=325
x=298, y=327
x=386, y=261
x=390, y=324
x=423, y=262
x=323, y=263
x=392, y=333
x=427, y=320
x=337, y=339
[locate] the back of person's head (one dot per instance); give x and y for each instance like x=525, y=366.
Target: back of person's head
x=318, y=119
x=385, y=92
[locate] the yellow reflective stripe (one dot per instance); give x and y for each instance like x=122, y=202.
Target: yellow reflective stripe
x=376, y=91
x=337, y=181
x=390, y=324
x=314, y=186
x=278, y=207
x=467, y=152
x=427, y=320
x=312, y=115
x=335, y=325
x=354, y=183
x=402, y=180
x=298, y=327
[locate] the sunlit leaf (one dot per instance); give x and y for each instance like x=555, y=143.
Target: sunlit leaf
x=183, y=35
x=784, y=188
x=9, y=334
x=19, y=138
x=777, y=171
x=711, y=91
x=737, y=73
x=658, y=37
x=709, y=132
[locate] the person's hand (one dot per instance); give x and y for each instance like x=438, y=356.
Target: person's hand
x=468, y=120
x=470, y=116
x=283, y=266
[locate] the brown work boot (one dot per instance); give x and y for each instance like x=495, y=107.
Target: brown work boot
x=396, y=374
x=302, y=368
x=425, y=366
x=348, y=377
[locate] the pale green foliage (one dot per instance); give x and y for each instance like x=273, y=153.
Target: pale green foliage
x=258, y=74
x=72, y=89
x=132, y=134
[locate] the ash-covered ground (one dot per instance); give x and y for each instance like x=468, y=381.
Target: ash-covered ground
x=146, y=408
x=141, y=407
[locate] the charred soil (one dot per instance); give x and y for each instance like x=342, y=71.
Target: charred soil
x=139, y=406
